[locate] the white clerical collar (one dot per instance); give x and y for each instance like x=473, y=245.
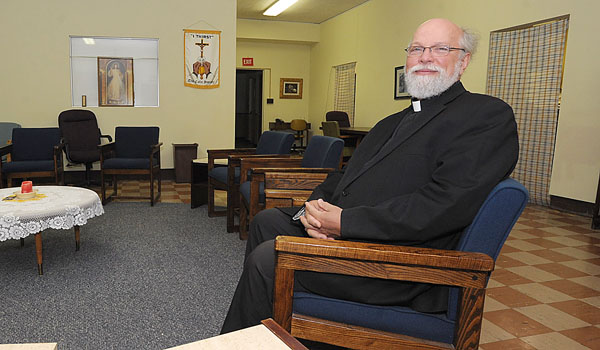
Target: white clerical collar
x=416, y=105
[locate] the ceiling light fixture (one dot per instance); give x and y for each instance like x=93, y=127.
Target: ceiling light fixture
x=278, y=7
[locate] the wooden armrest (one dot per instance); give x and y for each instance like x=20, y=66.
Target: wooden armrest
x=4, y=150
x=224, y=153
x=250, y=163
x=292, y=172
x=445, y=267
x=250, y=156
x=156, y=148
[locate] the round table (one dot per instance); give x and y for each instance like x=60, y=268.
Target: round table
x=57, y=207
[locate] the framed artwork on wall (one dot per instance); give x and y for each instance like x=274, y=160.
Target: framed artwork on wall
x=290, y=88
x=399, y=84
x=115, y=82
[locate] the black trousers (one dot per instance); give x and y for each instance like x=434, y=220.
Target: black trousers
x=253, y=297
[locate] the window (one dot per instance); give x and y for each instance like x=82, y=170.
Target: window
x=525, y=69
x=84, y=67
x=345, y=87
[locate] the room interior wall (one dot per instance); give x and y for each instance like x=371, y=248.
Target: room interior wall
x=375, y=34
x=279, y=60
x=35, y=65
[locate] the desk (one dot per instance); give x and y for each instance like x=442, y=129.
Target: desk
x=57, y=207
x=355, y=130
x=266, y=336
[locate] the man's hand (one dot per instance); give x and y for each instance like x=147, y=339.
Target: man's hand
x=322, y=220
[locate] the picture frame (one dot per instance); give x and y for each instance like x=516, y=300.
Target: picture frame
x=115, y=82
x=399, y=84
x=290, y=88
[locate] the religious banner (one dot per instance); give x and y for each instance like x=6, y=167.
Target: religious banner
x=202, y=58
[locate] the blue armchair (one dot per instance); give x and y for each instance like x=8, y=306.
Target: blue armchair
x=359, y=326
x=323, y=155
x=135, y=151
x=34, y=153
x=270, y=144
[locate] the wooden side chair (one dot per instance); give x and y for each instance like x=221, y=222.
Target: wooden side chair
x=322, y=155
x=332, y=128
x=360, y=326
x=34, y=153
x=135, y=151
x=270, y=144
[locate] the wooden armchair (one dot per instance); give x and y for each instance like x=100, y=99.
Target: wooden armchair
x=322, y=156
x=361, y=326
x=270, y=144
x=34, y=153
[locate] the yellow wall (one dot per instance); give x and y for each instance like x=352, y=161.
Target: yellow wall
x=36, y=70
x=285, y=60
x=375, y=34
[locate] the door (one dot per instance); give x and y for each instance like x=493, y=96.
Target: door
x=248, y=107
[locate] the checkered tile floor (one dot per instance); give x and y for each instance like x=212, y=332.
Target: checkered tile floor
x=545, y=291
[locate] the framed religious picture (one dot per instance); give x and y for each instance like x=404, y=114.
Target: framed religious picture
x=115, y=82
x=290, y=88
x=399, y=84
x=202, y=58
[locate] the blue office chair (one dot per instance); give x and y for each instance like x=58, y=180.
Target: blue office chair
x=323, y=155
x=361, y=326
x=34, y=153
x=135, y=151
x=271, y=143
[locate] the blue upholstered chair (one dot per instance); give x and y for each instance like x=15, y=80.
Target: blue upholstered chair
x=360, y=326
x=270, y=144
x=34, y=153
x=323, y=154
x=6, y=133
x=135, y=151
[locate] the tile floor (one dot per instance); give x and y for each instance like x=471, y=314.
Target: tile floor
x=545, y=291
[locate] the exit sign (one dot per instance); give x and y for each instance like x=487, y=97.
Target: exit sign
x=247, y=61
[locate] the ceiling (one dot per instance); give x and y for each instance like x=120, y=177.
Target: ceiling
x=307, y=11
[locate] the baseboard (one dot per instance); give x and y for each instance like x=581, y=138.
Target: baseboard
x=74, y=176
x=572, y=206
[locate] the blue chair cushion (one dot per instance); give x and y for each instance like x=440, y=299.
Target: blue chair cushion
x=26, y=166
x=220, y=174
x=393, y=319
x=275, y=142
x=126, y=163
x=34, y=143
x=135, y=142
x=245, y=191
x=323, y=152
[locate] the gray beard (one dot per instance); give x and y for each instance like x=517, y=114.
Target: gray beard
x=423, y=87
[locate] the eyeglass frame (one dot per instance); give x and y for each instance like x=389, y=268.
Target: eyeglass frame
x=431, y=50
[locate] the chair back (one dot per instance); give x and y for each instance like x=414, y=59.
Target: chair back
x=491, y=226
x=298, y=124
x=275, y=142
x=34, y=143
x=323, y=152
x=6, y=129
x=81, y=135
x=135, y=141
x=339, y=116
x=331, y=128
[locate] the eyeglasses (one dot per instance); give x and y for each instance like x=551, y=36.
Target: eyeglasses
x=436, y=51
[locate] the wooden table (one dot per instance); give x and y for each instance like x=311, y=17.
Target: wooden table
x=266, y=336
x=199, y=183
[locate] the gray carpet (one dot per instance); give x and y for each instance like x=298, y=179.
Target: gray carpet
x=145, y=278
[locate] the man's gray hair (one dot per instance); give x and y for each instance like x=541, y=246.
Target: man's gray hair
x=468, y=41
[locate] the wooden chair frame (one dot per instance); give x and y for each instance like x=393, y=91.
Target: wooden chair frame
x=258, y=168
x=108, y=151
x=58, y=173
x=233, y=157
x=466, y=270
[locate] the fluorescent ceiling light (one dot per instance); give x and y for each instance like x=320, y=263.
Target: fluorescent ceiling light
x=89, y=41
x=278, y=7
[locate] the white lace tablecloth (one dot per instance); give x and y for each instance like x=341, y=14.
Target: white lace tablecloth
x=57, y=207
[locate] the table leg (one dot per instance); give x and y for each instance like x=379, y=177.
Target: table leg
x=76, y=238
x=38, y=252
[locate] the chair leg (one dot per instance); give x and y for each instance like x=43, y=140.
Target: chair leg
x=151, y=188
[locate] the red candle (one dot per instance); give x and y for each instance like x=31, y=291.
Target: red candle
x=26, y=187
